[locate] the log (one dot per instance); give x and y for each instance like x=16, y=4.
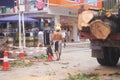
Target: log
x=84, y=18
x=87, y=16
x=99, y=29
x=102, y=29
x=101, y=26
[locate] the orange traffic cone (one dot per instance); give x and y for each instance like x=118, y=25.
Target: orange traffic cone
x=21, y=55
x=49, y=57
x=5, y=65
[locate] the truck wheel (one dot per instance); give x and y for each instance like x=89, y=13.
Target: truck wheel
x=111, y=57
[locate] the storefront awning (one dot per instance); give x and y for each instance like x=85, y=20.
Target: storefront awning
x=7, y=3
x=16, y=18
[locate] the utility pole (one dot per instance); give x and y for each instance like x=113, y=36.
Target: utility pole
x=19, y=12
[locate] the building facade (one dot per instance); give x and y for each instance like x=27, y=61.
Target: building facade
x=66, y=13
x=57, y=12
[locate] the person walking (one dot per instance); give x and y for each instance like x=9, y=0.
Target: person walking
x=64, y=37
x=69, y=35
x=46, y=34
x=40, y=38
x=57, y=39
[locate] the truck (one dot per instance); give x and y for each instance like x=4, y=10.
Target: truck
x=102, y=28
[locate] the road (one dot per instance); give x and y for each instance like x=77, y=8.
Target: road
x=74, y=59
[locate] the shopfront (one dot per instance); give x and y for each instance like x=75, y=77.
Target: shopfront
x=70, y=25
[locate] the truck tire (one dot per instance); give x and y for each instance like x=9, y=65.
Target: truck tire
x=111, y=57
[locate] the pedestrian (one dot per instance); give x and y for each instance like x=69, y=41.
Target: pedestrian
x=64, y=37
x=68, y=33
x=57, y=39
x=40, y=38
x=46, y=34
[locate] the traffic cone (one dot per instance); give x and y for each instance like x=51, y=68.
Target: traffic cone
x=49, y=57
x=21, y=55
x=5, y=65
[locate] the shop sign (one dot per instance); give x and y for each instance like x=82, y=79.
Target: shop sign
x=40, y=4
x=91, y=2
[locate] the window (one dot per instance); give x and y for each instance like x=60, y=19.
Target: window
x=91, y=2
x=22, y=1
x=32, y=4
x=72, y=0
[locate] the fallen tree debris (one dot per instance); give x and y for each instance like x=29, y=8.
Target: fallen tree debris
x=21, y=63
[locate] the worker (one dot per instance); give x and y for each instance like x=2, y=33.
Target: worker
x=57, y=39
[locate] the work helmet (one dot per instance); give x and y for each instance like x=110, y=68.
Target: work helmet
x=57, y=28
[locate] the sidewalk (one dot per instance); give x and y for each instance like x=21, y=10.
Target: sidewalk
x=35, y=51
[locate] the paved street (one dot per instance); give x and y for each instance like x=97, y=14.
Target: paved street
x=31, y=23
x=76, y=58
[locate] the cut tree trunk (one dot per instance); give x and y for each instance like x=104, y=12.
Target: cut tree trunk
x=102, y=29
x=99, y=29
x=87, y=16
x=84, y=18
